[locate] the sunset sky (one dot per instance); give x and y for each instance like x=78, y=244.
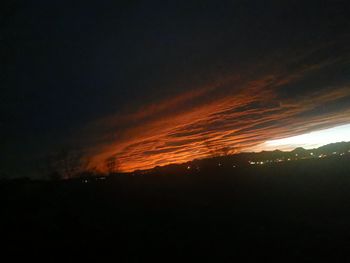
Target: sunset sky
x=159, y=82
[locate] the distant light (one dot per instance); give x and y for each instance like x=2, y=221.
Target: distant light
x=188, y=167
x=309, y=140
x=311, y=153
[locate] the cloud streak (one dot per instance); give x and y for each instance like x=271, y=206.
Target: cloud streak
x=237, y=112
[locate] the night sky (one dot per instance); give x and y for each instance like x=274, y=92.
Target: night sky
x=159, y=82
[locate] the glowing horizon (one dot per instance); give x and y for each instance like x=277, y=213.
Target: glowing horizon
x=309, y=140
x=229, y=113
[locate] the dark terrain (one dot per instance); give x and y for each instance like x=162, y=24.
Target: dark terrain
x=291, y=211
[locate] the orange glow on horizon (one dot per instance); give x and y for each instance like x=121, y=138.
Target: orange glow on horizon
x=235, y=114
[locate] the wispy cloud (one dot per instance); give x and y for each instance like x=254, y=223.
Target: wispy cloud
x=236, y=112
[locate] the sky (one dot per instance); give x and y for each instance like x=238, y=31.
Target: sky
x=310, y=140
x=159, y=82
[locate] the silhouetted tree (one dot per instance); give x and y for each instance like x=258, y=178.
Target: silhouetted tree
x=111, y=164
x=66, y=164
x=224, y=151
x=215, y=149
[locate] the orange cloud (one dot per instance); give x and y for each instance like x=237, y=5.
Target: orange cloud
x=235, y=113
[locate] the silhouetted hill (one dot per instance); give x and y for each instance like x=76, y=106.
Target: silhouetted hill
x=225, y=214
x=335, y=147
x=251, y=158
x=299, y=150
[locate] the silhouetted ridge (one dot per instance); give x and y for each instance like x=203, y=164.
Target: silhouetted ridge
x=335, y=147
x=252, y=158
x=299, y=150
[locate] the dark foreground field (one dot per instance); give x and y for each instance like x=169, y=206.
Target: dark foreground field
x=296, y=211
